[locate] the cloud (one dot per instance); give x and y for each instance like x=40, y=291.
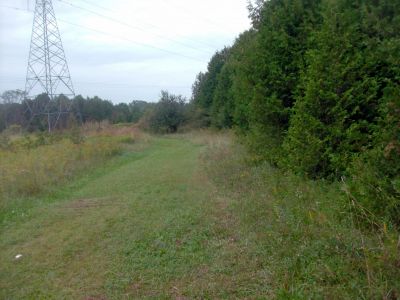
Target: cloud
x=123, y=50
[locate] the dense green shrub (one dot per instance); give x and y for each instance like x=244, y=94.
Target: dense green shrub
x=222, y=105
x=282, y=40
x=242, y=62
x=314, y=87
x=168, y=114
x=205, y=85
x=341, y=90
x=375, y=182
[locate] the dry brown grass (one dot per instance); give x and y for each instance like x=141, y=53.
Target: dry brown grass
x=209, y=138
x=29, y=170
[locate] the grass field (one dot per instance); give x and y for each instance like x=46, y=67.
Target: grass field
x=186, y=217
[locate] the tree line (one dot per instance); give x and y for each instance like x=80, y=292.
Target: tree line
x=314, y=87
x=15, y=110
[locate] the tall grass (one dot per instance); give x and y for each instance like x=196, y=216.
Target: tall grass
x=33, y=164
x=302, y=233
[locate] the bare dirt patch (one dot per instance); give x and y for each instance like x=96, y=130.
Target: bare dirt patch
x=91, y=202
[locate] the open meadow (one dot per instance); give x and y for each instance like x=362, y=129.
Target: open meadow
x=239, y=149
x=118, y=214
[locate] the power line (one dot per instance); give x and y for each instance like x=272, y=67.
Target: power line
x=15, y=8
x=132, y=41
x=182, y=9
x=115, y=36
x=205, y=19
x=152, y=25
x=127, y=85
x=106, y=84
x=109, y=84
x=130, y=26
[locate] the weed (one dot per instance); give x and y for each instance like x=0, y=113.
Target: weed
x=36, y=163
x=301, y=231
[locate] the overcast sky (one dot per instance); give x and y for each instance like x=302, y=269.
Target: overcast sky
x=163, y=44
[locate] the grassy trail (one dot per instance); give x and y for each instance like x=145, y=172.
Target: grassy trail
x=188, y=218
x=148, y=226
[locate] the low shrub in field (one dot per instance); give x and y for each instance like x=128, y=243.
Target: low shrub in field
x=4, y=141
x=167, y=115
x=302, y=232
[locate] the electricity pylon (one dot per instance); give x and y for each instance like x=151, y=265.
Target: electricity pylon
x=48, y=73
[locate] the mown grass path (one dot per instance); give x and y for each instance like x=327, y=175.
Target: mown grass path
x=148, y=226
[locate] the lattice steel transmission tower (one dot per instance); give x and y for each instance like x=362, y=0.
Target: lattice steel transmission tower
x=48, y=72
